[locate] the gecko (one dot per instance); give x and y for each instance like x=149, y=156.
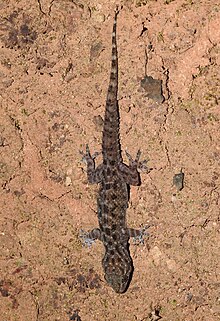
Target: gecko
x=114, y=178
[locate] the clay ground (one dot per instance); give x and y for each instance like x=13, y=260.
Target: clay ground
x=54, y=71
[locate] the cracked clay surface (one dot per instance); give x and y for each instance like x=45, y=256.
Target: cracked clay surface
x=54, y=70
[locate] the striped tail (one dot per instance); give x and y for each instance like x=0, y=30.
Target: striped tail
x=113, y=84
x=111, y=140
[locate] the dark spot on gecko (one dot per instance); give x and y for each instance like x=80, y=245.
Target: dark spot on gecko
x=105, y=208
x=108, y=186
x=114, y=196
x=112, y=162
x=114, y=227
x=108, y=171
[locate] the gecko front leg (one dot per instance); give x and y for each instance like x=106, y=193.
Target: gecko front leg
x=94, y=175
x=130, y=173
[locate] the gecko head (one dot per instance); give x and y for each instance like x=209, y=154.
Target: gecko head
x=118, y=270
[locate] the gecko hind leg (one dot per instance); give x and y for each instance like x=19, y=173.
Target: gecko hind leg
x=88, y=238
x=138, y=235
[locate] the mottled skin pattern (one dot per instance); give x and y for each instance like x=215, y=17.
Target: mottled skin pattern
x=114, y=177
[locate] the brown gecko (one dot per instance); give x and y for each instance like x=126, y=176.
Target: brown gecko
x=114, y=178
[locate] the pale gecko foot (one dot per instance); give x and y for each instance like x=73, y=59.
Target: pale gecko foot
x=94, y=174
x=136, y=163
x=87, y=157
x=89, y=238
x=140, y=235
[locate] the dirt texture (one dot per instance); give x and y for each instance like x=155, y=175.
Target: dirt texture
x=54, y=70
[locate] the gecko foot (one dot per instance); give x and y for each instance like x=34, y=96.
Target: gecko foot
x=140, y=235
x=85, y=238
x=88, y=238
x=87, y=157
x=141, y=165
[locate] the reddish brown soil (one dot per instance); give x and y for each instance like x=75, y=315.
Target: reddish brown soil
x=54, y=70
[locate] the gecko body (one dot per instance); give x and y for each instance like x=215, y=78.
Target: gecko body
x=114, y=178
